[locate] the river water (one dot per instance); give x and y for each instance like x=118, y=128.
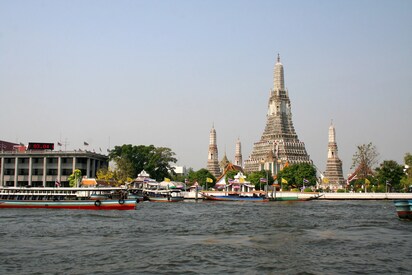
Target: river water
x=314, y=237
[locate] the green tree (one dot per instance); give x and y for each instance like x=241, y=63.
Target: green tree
x=390, y=172
x=113, y=177
x=200, y=176
x=75, y=178
x=159, y=163
x=408, y=162
x=231, y=175
x=255, y=177
x=305, y=175
x=364, y=159
x=123, y=171
x=287, y=174
x=360, y=185
x=131, y=160
x=178, y=178
x=296, y=173
x=406, y=181
x=105, y=174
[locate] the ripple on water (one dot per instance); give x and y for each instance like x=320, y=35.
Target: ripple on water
x=318, y=237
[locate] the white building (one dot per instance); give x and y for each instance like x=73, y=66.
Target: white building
x=46, y=167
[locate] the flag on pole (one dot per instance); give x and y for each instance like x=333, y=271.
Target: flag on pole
x=367, y=181
x=305, y=181
x=167, y=179
x=263, y=180
x=209, y=180
x=325, y=180
x=284, y=181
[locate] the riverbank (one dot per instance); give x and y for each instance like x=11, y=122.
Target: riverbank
x=357, y=196
x=285, y=195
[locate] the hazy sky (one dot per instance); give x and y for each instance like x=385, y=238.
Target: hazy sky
x=163, y=72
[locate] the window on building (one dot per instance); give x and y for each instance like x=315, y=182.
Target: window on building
x=38, y=172
x=81, y=160
x=52, y=160
x=37, y=183
x=23, y=160
x=52, y=172
x=9, y=183
x=66, y=172
x=9, y=172
x=23, y=172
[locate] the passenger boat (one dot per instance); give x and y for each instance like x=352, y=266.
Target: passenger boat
x=144, y=188
x=235, y=197
x=90, y=198
x=404, y=209
x=295, y=198
x=171, y=195
x=121, y=204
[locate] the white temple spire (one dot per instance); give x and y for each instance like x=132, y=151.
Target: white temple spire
x=212, y=160
x=278, y=77
x=332, y=137
x=279, y=144
x=238, y=153
x=334, y=164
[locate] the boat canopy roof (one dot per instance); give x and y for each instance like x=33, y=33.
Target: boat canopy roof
x=88, y=182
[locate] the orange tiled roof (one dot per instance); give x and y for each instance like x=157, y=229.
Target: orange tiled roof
x=230, y=167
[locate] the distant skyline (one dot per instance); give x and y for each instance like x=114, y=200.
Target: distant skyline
x=163, y=72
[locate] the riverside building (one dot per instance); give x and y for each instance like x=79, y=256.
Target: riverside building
x=279, y=144
x=46, y=167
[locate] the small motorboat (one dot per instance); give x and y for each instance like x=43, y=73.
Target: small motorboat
x=404, y=209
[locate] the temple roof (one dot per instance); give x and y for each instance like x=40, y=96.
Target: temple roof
x=224, y=162
x=230, y=167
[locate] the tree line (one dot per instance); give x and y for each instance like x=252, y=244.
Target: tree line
x=388, y=176
x=158, y=162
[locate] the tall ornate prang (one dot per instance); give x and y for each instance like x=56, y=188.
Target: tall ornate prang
x=238, y=154
x=279, y=143
x=212, y=160
x=333, y=171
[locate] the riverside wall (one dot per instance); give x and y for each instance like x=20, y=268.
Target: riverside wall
x=359, y=196
x=340, y=196
x=320, y=196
